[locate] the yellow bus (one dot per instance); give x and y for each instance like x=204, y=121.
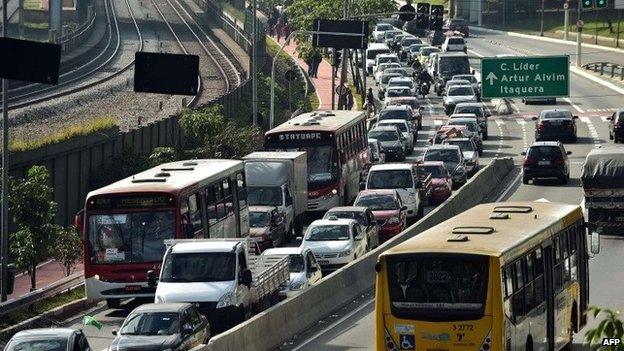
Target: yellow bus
x=500, y=276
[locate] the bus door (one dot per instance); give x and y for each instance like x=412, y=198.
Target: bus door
x=583, y=269
x=549, y=295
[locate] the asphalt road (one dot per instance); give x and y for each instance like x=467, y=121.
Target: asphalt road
x=509, y=135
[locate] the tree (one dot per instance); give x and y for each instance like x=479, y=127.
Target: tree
x=68, y=248
x=162, y=155
x=33, y=213
x=610, y=327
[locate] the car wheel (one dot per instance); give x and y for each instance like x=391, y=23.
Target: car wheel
x=525, y=180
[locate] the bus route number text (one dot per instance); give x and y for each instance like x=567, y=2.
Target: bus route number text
x=438, y=277
x=463, y=327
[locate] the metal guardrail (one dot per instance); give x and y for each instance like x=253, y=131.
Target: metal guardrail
x=606, y=67
x=33, y=297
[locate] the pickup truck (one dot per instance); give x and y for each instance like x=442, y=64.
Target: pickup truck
x=603, y=187
x=224, y=277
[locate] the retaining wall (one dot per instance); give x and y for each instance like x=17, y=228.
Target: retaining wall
x=280, y=323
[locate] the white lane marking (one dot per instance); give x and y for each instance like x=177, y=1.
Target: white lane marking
x=437, y=122
x=585, y=119
x=521, y=121
x=333, y=325
x=592, y=130
x=576, y=107
x=500, y=122
x=604, y=119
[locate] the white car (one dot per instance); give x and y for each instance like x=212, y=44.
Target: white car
x=457, y=94
x=380, y=30
x=398, y=91
x=402, y=82
x=385, y=58
x=304, y=270
x=401, y=177
x=454, y=44
x=373, y=50
x=335, y=242
x=405, y=129
x=379, y=70
x=469, y=150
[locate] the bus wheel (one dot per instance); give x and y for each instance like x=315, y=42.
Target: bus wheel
x=529, y=344
x=113, y=303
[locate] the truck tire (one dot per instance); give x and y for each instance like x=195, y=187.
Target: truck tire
x=113, y=303
x=298, y=227
x=421, y=212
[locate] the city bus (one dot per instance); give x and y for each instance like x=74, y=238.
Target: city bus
x=500, y=276
x=124, y=224
x=337, y=148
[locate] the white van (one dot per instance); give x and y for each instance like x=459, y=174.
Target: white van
x=372, y=51
x=403, y=178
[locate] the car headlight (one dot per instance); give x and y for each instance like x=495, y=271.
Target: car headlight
x=393, y=220
x=344, y=253
x=296, y=285
x=159, y=299
x=226, y=300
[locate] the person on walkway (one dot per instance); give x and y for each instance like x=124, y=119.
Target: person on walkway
x=271, y=25
x=310, y=63
x=317, y=58
x=370, y=102
x=350, y=100
x=287, y=29
x=278, y=29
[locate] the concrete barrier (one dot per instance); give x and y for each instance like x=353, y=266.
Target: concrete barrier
x=280, y=323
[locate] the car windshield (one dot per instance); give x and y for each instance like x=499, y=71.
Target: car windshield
x=620, y=118
x=390, y=179
x=383, y=27
x=401, y=83
x=328, y=233
x=470, y=78
x=385, y=78
x=360, y=217
x=321, y=163
x=409, y=41
x=556, y=114
x=415, y=48
x=132, y=237
x=428, y=50
x=464, y=145
x=450, y=66
x=259, y=219
x=402, y=126
x=456, y=41
x=264, y=196
x=372, y=54
x=46, y=343
x=436, y=171
x=452, y=83
x=394, y=114
x=400, y=71
x=383, y=135
x=391, y=34
x=448, y=156
x=296, y=263
x=478, y=111
x=460, y=91
x=545, y=152
x=472, y=125
x=377, y=202
x=396, y=92
x=154, y=323
x=388, y=59
x=199, y=267
x=438, y=286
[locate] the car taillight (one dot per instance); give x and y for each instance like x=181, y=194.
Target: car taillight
x=618, y=126
x=558, y=162
x=543, y=124
x=529, y=161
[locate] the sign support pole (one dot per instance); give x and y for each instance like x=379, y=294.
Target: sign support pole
x=579, y=30
x=542, y=20
x=5, y=170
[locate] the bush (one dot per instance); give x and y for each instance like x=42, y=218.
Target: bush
x=118, y=167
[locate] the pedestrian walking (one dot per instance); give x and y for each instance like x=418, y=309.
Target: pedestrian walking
x=317, y=58
x=287, y=30
x=370, y=102
x=350, y=101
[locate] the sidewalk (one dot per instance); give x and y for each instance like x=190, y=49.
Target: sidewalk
x=322, y=84
x=47, y=273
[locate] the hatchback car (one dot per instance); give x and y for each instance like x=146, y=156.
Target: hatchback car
x=335, y=242
x=555, y=125
x=386, y=206
x=402, y=82
x=453, y=160
x=405, y=129
x=380, y=30
x=392, y=142
x=616, y=126
x=441, y=181
x=379, y=70
x=399, y=91
x=413, y=52
x=424, y=53
x=469, y=151
x=454, y=82
x=458, y=25
x=303, y=268
x=476, y=85
x=162, y=326
x=479, y=110
x=546, y=159
x=52, y=339
x=414, y=104
x=383, y=83
x=363, y=216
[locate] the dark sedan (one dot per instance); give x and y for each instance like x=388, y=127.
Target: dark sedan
x=391, y=141
x=555, y=125
x=546, y=159
x=616, y=126
x=160, y=327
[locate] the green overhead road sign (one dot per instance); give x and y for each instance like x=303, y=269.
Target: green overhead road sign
x=525, y=76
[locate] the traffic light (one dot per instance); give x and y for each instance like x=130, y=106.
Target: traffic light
x=437, y=17
x=422, y=15
x=601, y=4
x=588, y=4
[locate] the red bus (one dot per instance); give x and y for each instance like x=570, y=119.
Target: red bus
x=124, y=224
x=337, y=148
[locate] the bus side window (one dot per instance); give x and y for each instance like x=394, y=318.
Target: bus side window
x=211, y=211
x=529, y=300
x=518, y=296
x=219, y=200
x=242, y=191
x=195, y=213
x=538, y=265
x=573, y=252
x=566, y=255
x=508, y=281
x=558, y=266
x=227, y=196
x=185, y=218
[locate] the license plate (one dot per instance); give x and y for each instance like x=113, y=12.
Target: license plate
x=543, y=163
x=133, y=288
x=619, y=219
x=322, y=262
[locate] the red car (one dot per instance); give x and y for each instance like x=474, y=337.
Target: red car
x=441, y=180
x=387, y=208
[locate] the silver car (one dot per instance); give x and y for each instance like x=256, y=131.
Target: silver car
x=470, y=152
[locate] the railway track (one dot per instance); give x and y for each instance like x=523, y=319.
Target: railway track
x=78, y=78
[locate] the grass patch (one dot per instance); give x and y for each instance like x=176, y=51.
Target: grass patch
x=357, y=97
x=32, y=5
x=67, y=133
x=41, y=307
x=313, y=101
x=273, y=47
x=233, y=11
x=34, y=25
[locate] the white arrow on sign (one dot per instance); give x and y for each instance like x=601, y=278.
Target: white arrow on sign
x=491, y=77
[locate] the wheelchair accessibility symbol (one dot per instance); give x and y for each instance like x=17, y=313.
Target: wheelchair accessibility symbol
x=407, y=342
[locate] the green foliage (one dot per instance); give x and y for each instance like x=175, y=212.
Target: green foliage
x=118, y=167
x=67, y=248
x=33, y=213
x=609, y=327
x=200, y=125
x=162, y=155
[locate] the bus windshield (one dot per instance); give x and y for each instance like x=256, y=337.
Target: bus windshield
x=132, y=237
x=321, y=164
x=437, y=286
x=199, y=267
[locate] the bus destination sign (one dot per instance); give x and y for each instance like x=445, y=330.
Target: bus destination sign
x=137, y=201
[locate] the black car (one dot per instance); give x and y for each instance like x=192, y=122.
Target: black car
x=52, y=339
x=546, y=159
x=391, y=141
x=162, y=326
x=412, y=28
x=459, y=25
x=436, y=37
x=555, y=125
x=616, y=126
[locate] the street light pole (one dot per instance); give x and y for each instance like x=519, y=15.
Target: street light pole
x=5, y=172
x=579, y=31
x=542, y=20
x=254, y=59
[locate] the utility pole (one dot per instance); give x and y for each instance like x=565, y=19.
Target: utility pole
x=254, y=59
x=566, y=20
x=596, y=26
x=579, y=31
x=542, y=20
x=5, y=171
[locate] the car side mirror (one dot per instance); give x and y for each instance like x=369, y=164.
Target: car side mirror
x=534, y=118
x=78, y=221
x=609, y=118
x=312, y=269
x=362, y=186
x=472, y=72
x=151, y=278
x=404, y=208
x=114, y=332
x=523, y=153
x=568, y=152
x=246, y=277
x=187, y=330
x=575, y=117
x=595, y=242
x=299, y=238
